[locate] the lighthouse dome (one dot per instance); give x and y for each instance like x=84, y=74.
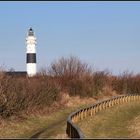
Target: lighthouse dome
x=31, y=32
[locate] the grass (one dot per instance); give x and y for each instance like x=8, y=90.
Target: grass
x=111, y=123
x=34, y=124
x=41, y=126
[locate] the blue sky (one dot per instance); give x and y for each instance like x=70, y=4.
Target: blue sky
x=104, y=34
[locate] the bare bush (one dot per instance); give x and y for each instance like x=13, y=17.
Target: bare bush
x=100, y=80
x=127, y=83
x=67, y=71
x=69, y=67
x=19, y=94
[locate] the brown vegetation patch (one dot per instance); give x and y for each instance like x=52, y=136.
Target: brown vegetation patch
x=64, y=79
x=135, y=127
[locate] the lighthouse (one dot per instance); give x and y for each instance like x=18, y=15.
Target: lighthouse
x=31, y=53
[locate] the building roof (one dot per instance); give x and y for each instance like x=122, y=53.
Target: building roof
x=16, y=73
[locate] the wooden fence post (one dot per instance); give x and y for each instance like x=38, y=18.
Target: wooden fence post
x=91, y=112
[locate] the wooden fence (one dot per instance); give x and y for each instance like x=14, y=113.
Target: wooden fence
x=73, y=131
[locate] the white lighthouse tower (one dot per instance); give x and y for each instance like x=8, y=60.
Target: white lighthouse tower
x=31, y=53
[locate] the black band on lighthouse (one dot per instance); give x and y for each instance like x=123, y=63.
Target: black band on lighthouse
x=31, y=58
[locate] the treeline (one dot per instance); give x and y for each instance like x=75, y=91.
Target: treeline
x=78, y=78
x=69, y=75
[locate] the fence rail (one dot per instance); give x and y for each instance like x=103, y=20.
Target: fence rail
x=73, y=131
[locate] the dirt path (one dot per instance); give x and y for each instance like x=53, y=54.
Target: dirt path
x=57, y=129
x=48, y=130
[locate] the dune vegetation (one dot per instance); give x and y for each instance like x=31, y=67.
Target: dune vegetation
x=45, y=93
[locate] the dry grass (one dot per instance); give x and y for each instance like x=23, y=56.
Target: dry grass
x=14, y=127
x=53, y=123
x=113, y=122
x=134, y=127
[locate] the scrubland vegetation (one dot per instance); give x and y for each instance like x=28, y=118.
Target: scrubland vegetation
x=65, y=76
